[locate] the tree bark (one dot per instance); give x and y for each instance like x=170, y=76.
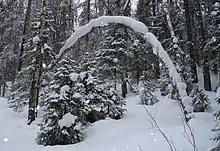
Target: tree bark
x=192, y=51
x=35, y=86
x=0, y=90
x=4, y=89
x=25, y=29
x=202, y=38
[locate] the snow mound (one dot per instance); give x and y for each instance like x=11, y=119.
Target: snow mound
x=67, y=120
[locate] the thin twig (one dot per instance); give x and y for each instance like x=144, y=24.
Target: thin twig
x=140, y=148
x=170, y=144
x=191, y=140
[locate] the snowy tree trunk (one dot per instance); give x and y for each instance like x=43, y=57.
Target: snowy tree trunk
x=35, y=86
x=0, y=90
x=206, y=69
x=25, y=29
x=192, y=51
x=4, y=89
x=124, y=88
x=169, y=22
x=100, y=8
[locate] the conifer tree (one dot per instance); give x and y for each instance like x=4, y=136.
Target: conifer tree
x=146, y=96
x=19, y=94
x=200, y=100
x=100, y=97
x=63, y=120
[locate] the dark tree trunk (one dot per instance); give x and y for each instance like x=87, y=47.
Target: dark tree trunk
x=192, y=52
x=35, y=86
x=24, y=33
x=127, y=8
x=137, y=76
x=154, y=7
x=4, y=89
x=0, y=90
x=124, y=88
x=202, y=38
x=101, y=7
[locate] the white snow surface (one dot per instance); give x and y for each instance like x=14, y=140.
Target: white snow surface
x=67, y=120
x=132, y=23
x=127, y=134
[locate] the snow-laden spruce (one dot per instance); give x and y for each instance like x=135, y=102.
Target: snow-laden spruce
x=146, y=96
x=217, y=125
x=63, y=120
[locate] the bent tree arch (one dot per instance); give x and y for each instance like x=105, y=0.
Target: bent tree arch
x=136, y=26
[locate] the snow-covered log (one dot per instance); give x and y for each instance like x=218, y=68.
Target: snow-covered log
x=132, y=23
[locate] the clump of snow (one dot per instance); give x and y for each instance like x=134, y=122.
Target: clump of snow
x=44, y=65
x=181, y=86
x=115, y=60
x=187, y=100
x=47, y=47
x=189, y=109
x=67, y=120
x=77, y=95
x=74, y=76
x=36, y=39
x=175, y=46
x=175, y=39
x=170, y=87
x=136, y=42
x=64, y=89
x=217, y=5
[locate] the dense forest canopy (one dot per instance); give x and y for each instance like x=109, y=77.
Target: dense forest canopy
x=80, y=59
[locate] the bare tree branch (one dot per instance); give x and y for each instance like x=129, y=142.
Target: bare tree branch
x=154, y=122
x=189, y=137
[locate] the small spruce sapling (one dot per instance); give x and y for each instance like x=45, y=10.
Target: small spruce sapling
x=200, y=100
x=146, y=96
x=62, y=123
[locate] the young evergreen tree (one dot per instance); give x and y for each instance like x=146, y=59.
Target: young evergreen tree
x=113, y=55
x=200, y=100
x=99, y=97
x=19, y=93
x=216, y=129
x=146, y=96
x=63, y=120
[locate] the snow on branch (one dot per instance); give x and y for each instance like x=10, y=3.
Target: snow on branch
x=132, y=23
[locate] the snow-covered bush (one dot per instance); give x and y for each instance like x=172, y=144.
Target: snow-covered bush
x=166, y=85
x=99, y=98
x=63, y=120
x=217, y=118
x=19, y=94
x=200, y=100
x=146, y=96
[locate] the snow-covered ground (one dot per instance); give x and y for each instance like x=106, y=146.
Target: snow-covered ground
x=129, y=134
